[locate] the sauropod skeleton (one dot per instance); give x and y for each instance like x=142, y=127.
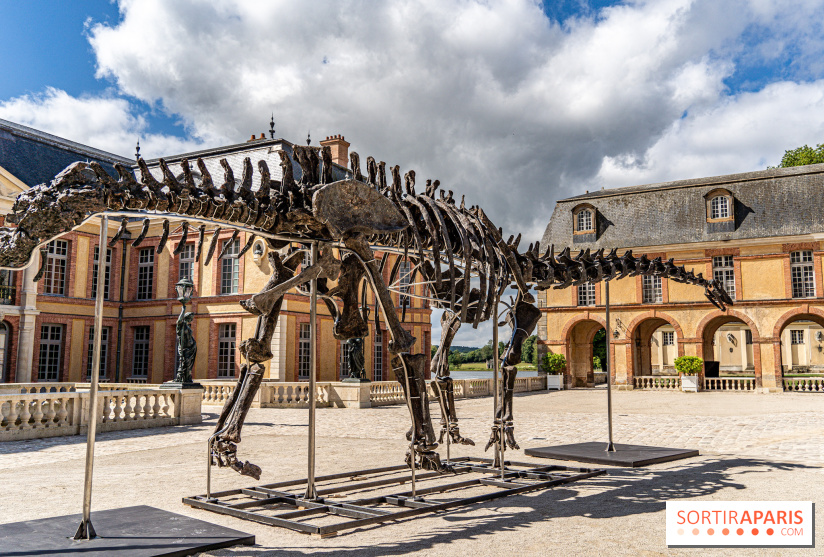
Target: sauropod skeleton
x=455, y=250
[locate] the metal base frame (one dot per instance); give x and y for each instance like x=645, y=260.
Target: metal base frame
x=272, y=504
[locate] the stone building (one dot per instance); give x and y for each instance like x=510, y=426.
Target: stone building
x=760, y=233
x=47, y=327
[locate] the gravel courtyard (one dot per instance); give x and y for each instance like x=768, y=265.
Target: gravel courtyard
x=753, y=447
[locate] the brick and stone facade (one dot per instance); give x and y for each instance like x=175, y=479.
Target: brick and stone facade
x=774, y=232
x=73, y=310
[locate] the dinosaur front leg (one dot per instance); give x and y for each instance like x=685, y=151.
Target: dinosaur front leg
x=443, y=385
x=256, y=350
x=409, y=370
x=233, y=415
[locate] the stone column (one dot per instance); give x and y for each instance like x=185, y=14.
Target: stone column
x=28, y=317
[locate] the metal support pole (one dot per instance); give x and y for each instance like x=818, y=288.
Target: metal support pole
x=610, y=446
x=496, y=358
x=86, y=531
x=311, y=492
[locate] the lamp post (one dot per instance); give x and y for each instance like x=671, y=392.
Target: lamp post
x=186, y=344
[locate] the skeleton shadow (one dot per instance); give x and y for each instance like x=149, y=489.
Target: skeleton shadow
x=620, y=493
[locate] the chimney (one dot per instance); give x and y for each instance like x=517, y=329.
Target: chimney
x=340, y=149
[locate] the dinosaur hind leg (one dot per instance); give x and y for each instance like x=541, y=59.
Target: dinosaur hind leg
x=443, y=385
x=408, y=370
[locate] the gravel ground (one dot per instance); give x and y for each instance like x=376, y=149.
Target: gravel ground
x=753, y=447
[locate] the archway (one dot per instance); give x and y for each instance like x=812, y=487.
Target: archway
x=800, y=343
x=656, y=340
x=728, y=345
x=579, y=338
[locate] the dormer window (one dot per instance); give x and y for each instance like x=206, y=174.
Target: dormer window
x=719, y=205
x=584, y=219
x=720, y=210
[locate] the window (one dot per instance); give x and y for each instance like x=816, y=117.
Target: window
x=583, y=221
x=107, y=274
x=187, y=262
x=230, y=269
x=405, y=276
x=140, y=360
x=803, y=277
x=54, y=275
x=104, y=352
x=145, y=273
x=51, y=344
x=720, y=207
x=586, y=294
x=651, y=289
x=668, y=338
x=748, y=335
x=377, y=357
x=226, y=350
x=724, y=272
x=7, y=288
x=797, y=337
x=304, y=348
x=307, y=259
x=344, y=360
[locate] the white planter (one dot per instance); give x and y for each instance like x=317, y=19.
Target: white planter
x=554, y=382
x=689, y=383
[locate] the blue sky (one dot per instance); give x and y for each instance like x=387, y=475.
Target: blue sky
x=501, y=100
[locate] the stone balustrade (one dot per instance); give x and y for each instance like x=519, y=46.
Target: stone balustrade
x=383, y=393
x=26, y=388
x=657, y=382
x=51, y=414
x=729, y=383
x=273, y=394
x=804, y=384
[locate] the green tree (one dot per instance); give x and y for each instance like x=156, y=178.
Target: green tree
x=528, y=353
x=553, y=364
x=455, y=359
x=802, y=155
x=688, y=365
x=599, y=346
x=434, y=349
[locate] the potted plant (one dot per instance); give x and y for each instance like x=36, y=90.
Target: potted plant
x=554, y=365
x=688, y=368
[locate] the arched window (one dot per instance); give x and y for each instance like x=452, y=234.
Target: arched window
x=720, y=207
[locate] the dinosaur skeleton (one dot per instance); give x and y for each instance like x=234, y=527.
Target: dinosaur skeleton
x=448, y=245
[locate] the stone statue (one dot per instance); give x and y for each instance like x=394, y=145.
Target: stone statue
x=355, y=359
x=186, y=347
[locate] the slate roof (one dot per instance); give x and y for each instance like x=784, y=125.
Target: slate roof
x=36, y=157
x=768, y=203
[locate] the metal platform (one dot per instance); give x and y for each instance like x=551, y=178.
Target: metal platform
x=139, y=531
x=341, y=504
x=594, y=452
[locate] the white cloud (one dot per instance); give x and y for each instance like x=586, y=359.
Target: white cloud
x=492, y=97
x=106, y=122
x=746, y=132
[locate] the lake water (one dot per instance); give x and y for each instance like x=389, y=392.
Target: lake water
x=487, y=374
